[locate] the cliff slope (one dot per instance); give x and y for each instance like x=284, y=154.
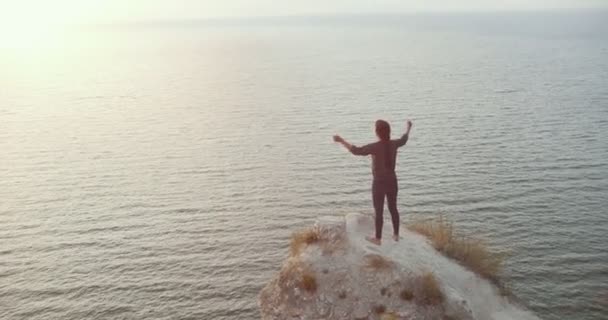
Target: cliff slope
x=334, y=273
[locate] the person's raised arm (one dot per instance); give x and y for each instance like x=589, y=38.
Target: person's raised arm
x=358, y=151
x=403, y=140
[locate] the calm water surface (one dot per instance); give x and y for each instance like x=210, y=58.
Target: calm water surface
x=156, y=172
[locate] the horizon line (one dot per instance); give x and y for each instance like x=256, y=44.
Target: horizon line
x=324, y=16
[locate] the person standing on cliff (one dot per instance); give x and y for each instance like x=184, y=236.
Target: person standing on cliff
x=384, y=185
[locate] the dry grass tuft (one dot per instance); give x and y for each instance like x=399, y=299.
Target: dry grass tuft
x=329, y=242
x=297, y=274
x=504, y=289
x=378, y=262
x=471, y=253
x=406, y=295
x=430, y=292
x=308, y=281
x=303, y=238
x=384, y=291
x=389, y=316
x=288, y=271
x=379, y=309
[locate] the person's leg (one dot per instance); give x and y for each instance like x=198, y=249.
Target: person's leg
x=391, y=197
x=378, y=195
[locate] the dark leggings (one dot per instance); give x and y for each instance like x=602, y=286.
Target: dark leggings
x=388, y=189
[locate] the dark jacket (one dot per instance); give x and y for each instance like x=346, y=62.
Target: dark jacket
x=384, y=155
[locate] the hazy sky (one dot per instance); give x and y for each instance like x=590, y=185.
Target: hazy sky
x=66, y=11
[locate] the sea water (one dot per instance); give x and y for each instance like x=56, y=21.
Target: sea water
x=156, y=171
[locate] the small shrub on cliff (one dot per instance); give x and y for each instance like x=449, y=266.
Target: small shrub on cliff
x=471, y=253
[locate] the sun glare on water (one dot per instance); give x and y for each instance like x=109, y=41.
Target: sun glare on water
x=31, y=24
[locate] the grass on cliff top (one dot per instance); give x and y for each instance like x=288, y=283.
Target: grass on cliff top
x=430, y=292
x=425, y=290
x=308, y=281
x=378, y=262
x=301, y=239
x=330, y=243
x=299, y=274
x=469, y=252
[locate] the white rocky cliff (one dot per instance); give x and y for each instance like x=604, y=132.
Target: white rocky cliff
x=334, y=273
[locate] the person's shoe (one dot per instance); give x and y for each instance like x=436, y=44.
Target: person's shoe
x=396, y=237
x=374, y=240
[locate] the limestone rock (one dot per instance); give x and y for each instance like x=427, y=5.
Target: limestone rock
x=334, y=273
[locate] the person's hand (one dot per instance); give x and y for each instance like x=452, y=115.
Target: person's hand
x=337, y=138
x=409, y=124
